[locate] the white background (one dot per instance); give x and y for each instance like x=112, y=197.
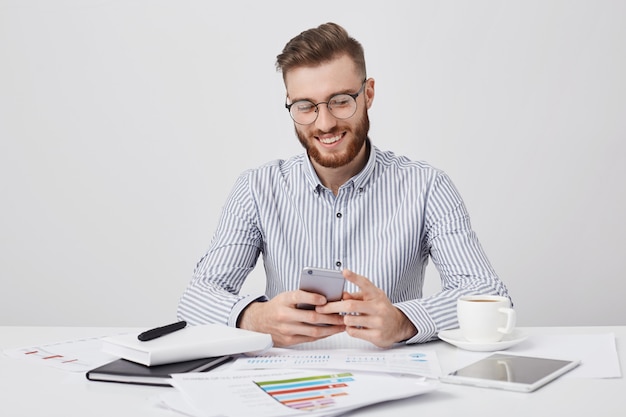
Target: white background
x=124, y=124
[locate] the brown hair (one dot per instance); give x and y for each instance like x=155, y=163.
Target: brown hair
x=319, y=45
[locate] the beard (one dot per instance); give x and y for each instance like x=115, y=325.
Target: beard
x=337, y=160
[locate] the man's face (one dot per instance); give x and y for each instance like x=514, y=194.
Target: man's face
x=331, y=142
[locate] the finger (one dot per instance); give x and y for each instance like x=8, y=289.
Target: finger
x=333, y=307
x=315, y=317
x=369, y=335
x=312, y=327
x=358, y=307
x=345, y=307
x=352, y=296
x=360, y=281
x=328, y=320
x=359, y=332
x=305, y=297
x=302, y=336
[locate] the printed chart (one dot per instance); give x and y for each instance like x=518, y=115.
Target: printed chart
x=415, y=361
x=74, y=355
x=309, y=393
x=288, y=392
x=292, y=360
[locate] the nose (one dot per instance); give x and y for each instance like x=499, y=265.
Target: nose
x=325, y=120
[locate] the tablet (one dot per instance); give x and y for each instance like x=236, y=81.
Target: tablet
x=511, y=372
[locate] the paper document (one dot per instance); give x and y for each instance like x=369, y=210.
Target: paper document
x=74, y=355
x=283, y=393
x=597, y=352
x=403, y=360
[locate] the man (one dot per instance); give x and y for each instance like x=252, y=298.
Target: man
x=345, y=205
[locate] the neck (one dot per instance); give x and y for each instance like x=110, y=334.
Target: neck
x=333, y=178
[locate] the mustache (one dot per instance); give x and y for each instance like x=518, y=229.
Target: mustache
x=334, y=131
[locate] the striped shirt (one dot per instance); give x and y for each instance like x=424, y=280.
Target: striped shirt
x=384, y=223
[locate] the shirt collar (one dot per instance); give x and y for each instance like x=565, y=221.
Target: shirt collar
x=359, y=181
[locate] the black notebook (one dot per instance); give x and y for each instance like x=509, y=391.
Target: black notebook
x=121, y=370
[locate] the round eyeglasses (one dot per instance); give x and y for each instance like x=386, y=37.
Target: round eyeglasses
x=341, y=106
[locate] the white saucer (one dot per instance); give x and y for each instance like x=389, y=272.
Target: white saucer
x=455, y=338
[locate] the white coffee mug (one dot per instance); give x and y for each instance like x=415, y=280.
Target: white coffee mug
x=485, y=318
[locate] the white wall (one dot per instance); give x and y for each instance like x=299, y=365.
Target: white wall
x=122, y=130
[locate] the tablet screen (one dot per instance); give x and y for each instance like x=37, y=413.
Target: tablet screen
x=520, y=373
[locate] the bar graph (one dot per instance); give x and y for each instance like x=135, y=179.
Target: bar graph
x=309, y=393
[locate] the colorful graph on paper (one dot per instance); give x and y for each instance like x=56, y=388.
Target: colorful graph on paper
x=309, y=393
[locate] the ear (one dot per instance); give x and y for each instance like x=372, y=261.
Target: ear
x=369, y=92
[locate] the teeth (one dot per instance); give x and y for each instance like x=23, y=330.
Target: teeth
x=328, y=141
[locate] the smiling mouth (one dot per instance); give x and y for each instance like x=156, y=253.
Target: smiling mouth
x=329, y=140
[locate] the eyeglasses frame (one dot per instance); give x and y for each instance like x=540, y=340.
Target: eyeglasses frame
x=353, y=95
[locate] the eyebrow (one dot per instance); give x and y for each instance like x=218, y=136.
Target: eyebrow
x=345, y=91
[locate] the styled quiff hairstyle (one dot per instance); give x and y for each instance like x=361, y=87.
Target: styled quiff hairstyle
x=319, y=45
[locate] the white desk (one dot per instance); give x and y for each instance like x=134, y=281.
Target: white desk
x=28, y=389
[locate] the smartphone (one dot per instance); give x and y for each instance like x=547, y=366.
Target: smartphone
x=328, y=282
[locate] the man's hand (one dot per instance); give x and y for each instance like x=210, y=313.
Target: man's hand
x=369, y=314
x=287, y=324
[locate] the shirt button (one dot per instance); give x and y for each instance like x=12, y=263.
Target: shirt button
x=338, y=263
x=339, y=215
